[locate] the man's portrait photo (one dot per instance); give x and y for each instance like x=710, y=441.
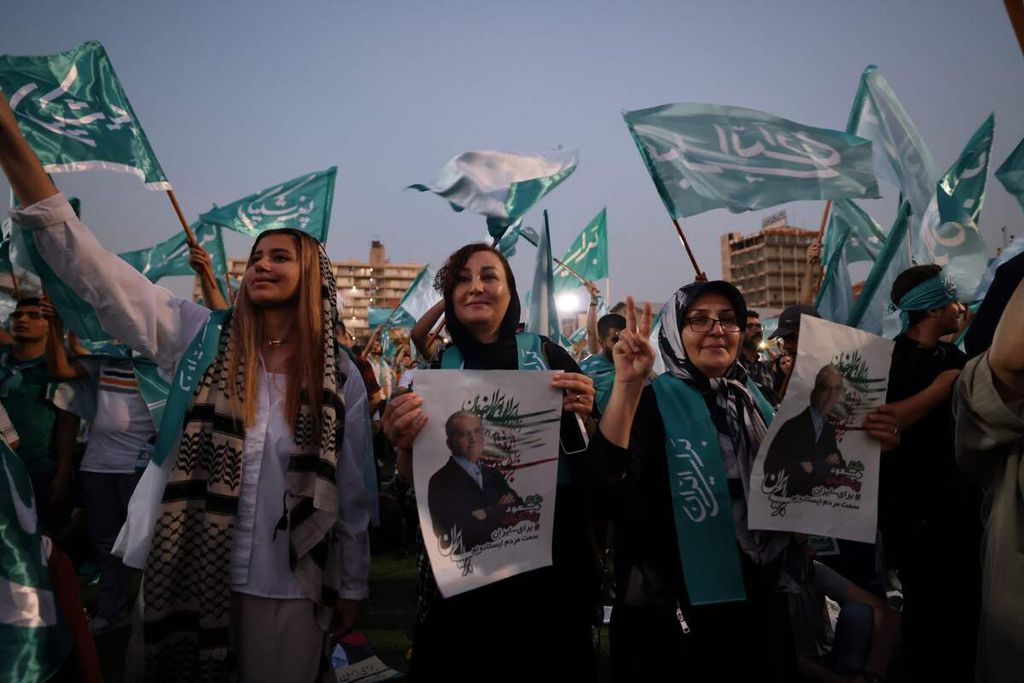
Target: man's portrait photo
x=804, y=451
x=466, y=497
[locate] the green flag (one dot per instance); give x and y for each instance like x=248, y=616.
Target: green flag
x=76, y=117
x=900, y=154
x=851, y=237
x=303, y=203
x=705, y=156
x=1011, y=173
x=420, y=296
x=543, y=318
x=33, y=640
x=170, y=257
x=588, y=255
x=499, y=185
x=871, y=310
x=949, y=233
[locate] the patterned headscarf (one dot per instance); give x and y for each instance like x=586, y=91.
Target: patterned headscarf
x=187, y=586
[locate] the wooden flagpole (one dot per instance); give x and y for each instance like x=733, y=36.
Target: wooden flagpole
x=821, y=236
x=689, y=252
x=212, y=281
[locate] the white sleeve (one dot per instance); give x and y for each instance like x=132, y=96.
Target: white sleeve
x=146, y=317
x=353, y=499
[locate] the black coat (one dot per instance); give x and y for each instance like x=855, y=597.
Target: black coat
x=453, y=496
x=795, y=444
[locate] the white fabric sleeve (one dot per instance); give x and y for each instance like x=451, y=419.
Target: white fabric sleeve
x=353, y=499
x=146, y=317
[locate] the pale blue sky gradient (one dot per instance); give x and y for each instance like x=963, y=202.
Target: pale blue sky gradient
x=236, y=96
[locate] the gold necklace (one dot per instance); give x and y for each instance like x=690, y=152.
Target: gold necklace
x=274, y=343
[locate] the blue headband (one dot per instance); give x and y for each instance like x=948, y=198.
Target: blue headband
x=935, y=292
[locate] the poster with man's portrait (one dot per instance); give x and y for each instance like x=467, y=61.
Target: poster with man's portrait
x=485, y=468
x=817, y=469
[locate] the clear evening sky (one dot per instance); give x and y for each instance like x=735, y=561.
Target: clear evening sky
x=235, y=96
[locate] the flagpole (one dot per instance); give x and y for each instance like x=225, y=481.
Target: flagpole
x=1016, y=13
x=227, y=284
x=821, y=236
x=189, y=236
x=689, y=252
x=436, y=333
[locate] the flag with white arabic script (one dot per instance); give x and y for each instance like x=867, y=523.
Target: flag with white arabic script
x=303, y=203
x=872, y=310
x=588, y=255
x=1011, y=173
x=34, y=642
x=170, y=257
x=500, y=185
x=706, y=156
x=75, y=115
x=949, y=234
x=900, y=154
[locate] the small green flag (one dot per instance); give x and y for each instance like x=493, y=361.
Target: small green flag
x=33, y=640
x=499, y=185
x=303, y=203
x=76, y=117
x=543, y=318
x=706, y=156
x=851, y=237
x=588, y=255
x=170, y=257
x=1011, y=173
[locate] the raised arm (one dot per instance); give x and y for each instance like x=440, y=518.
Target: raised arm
x=146, y=317
x=200, y=261
x=634, y=359
x=593, y=339
x=1006, y=355
x=420, y=332
x=809, y=283
x=57, y=362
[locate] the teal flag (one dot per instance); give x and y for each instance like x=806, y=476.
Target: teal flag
x=543, y=318
x=499, y=185
x=76, y=117
x=388, y=316
x=1011, y=173
x=421, y=296
x=507, y=244
x=900, y=154
x=871, y=312
x=705, y=156
x=33, y=640
x=170, y=257
x=949, y=233
x=851, y=237
x=588, y=255
x=303, y=203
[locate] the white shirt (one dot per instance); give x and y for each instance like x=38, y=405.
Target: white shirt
x=121, y=429
x=160, y=326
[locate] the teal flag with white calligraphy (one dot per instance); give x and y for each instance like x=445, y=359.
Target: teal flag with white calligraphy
x=303, y=203
x=75, y=115
x=705, y=156
x=34, y=642
x=1011, y=173
x=900, y=154
x=170, y=257
x=948, y=234
x=500, y=185
x=588, y=255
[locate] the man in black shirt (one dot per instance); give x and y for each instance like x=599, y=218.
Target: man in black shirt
x=928, y=512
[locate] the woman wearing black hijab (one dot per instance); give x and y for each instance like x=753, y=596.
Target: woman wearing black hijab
x=537, y=623
x=695, y=586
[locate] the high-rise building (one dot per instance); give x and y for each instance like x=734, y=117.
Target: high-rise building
x=768, y=265
x=376, y=283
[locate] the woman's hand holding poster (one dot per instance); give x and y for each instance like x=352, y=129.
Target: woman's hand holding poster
x=485, y=468
x=817, y=470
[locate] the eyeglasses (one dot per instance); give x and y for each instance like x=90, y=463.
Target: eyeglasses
x=704, y=323
x=32, y=315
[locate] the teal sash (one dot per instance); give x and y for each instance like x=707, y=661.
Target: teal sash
x=602, y=371
x=200, y=353
x=705, y=533
x=530, y=352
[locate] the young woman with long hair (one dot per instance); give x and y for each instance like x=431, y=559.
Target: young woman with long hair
x=250, y=521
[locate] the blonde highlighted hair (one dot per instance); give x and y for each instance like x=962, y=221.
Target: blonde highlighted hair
x=305, y=365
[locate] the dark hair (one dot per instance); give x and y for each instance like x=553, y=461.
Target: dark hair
x=906, y=281
x=446, y=280
x=751, y=313
x=29, y=301
x=609, y=321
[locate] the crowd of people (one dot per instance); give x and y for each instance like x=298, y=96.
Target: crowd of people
x=243, y=499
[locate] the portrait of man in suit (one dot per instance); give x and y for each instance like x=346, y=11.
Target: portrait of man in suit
x=805, y=450
x=467, y=499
